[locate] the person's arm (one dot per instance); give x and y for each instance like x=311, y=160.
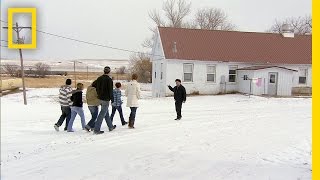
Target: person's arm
x=171, y=89
x=69, y=95
x=184, y=94
x=94, y=84
x=126, y=91
x=138, y=91
x=110, y=85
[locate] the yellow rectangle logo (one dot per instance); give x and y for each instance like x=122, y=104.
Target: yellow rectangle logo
x=33, y=12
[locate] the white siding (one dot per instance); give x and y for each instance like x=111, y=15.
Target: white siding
x=200, y=84
x=244, y=85
x=284, y=86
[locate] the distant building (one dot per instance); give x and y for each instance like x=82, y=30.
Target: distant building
x=213, y=62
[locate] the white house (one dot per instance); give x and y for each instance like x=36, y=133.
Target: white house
x=214, y=62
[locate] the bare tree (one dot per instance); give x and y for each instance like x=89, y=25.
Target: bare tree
x=213, y=19
x=11, y=69
x=173, y=14
x=300, y=25
x=121, y=70
x=141, y=65
x=41, y=69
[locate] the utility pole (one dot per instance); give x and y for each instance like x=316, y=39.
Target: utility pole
x=20, y=41
x=87, y=72
x=75, y=76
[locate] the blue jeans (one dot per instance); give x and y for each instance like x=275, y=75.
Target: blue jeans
x=74, y=111
x=114, y=109
x=94, y=110
x=104, y=113
x=133, y=113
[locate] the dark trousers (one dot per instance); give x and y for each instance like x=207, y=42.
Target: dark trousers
x=133, y=113
x=178, y=108
x=66, y=114
x=94, y=110
x=114, y=109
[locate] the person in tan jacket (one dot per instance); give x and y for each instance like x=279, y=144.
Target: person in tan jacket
x=133, y=95
x=93, y=105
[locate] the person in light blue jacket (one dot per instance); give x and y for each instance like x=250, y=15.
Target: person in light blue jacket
x=117, y=104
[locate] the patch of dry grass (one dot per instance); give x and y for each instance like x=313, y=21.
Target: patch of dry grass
x=57, y=81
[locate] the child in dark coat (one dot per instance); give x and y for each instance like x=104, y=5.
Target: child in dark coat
x=76, y=107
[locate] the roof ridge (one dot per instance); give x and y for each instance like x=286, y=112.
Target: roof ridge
x=234, y=31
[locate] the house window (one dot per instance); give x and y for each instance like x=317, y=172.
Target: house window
x=211, y=73
x=187, y=72
x=232, y=73
x=155, y=75
x=302, y=76
x=272, y=79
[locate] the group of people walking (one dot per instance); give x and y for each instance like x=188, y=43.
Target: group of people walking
x=99, y=93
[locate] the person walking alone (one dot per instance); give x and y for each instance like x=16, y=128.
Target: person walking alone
x=180, y=97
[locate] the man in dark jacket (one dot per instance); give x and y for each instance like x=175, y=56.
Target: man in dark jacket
x=180, y=97
x=104, y=88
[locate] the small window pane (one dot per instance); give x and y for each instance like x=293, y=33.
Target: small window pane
x=211, y=78
x=302, y=80
x=272, y=79
x=187, y=68
x=232, y=71
x=232, y=78
x=188, y=77
x=303, y=72
x=211, y=69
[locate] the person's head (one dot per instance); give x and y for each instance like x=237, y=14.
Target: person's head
x=68, y=82
x=134, y=76
x=80, y=86
x=178, y=82
x=118, y=85
x=107, y=70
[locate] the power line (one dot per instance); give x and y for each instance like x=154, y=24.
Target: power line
x=91, y=43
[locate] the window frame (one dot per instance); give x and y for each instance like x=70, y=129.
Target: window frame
x=192, y=72
x=209, y=73
x=305, y=76
x=232, y=67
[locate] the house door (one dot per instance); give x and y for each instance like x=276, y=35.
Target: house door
x=273, y=84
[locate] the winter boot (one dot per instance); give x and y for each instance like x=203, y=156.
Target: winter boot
x=98, y=132
x=87, y=128
x=114, y=127
x=56, y=127
x=131, y=124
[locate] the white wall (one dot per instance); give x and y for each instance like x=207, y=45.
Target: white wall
x=157, y=59
x=244, y=85
x=200, y=84
x=284, y=87
x=296, y=75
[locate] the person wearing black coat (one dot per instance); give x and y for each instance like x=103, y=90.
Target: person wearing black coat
x=104, y=88
x=76, y=107
x=180, y=97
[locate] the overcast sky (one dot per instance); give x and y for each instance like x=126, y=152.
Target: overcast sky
x=125, y=23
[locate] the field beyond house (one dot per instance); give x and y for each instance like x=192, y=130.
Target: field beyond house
x=57, y=80
x=220, y=137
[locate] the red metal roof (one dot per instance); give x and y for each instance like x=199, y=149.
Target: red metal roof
x=234, y=46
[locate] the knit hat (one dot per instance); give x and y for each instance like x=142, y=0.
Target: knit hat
x=107, y=70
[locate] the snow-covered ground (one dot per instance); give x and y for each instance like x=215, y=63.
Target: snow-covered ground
x=220, y=137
